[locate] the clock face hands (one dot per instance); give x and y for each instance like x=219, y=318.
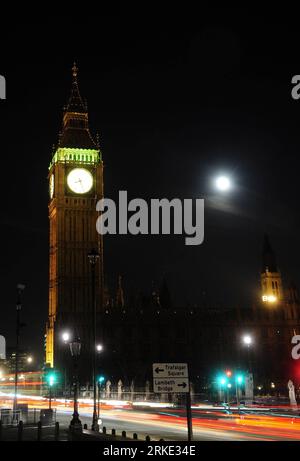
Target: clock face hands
x=80, y=181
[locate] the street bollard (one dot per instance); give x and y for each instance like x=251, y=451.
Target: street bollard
x=104, y=430
x=148, y=439
x=56, y=432
x=124, y=434
x=20, y=431
x=135, y=436
x=39, y=431
x=113, y=432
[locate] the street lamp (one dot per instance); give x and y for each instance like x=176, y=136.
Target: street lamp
x=93, y=258
x=99, y=348
x=75, y=348
x=20, y=289
x=248, y=341
x=29, y=359
x=66, y=337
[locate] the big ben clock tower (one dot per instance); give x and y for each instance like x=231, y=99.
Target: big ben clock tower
x=75, y=185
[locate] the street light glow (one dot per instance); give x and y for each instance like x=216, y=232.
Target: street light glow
x=29, y=359
x=66, y=336
x=247, y=340
x=99, y=348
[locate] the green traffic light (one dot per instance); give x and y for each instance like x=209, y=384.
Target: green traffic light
x=222, y=380
x=51, y=378
x=239, y=379
x=101, y=379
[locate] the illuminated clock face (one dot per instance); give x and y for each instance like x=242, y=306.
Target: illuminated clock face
x=80, y=181
x=51, y=186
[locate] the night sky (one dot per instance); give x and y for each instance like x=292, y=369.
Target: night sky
x=177, y=99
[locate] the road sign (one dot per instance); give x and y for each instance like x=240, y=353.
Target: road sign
x=166, y=385
x=170, y=370
x=170, y=377
x=173, y=378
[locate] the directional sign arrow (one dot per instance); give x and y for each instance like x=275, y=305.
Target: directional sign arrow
x=182, y=385
x=170, y=370
x=159, y=370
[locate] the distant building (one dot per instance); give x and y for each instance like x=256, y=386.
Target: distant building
x=208, y=338
x=25, y=362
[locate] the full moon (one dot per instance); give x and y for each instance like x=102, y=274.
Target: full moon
x=223, y=183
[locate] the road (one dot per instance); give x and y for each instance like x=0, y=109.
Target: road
x=209, y=424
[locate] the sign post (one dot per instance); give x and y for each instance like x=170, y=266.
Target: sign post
x=189, y=416
x=173, y=378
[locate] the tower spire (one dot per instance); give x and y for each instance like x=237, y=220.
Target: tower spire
x=75, y=103
x=75, y=70
x=271, y=282
x=75, y=130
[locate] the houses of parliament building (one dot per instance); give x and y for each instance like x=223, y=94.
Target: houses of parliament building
x=141, y=332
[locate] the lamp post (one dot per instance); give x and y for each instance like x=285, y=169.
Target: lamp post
x=66, y=337
x=99, y=349
x=75, y=348
x=93, y=258
x=100, y=381
x=222, y=383
x=238, y=382
x=51, y=384
x=229, y=386
x=20, y=289
x=248, y=341
x=249, y=389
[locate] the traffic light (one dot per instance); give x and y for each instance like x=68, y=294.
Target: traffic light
x=239, y=379
x=101, y=379
x=222, y=381
x=228, y=373
x=51, y=377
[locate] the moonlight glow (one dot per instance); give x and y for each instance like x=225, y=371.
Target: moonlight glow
x=223, y=183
